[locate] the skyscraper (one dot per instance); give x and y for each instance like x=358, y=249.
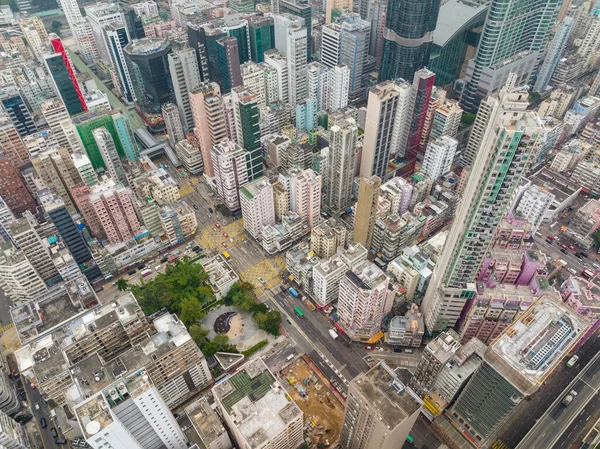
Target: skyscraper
x=99, y=16
x=302, y=10
x=185, y=76
x=503, y=157
x=553, y=55
x=379, y=126
x=149, y=69
x=117, y=38
x=407, y=38
x=17, y=111
x=82, y=31
x=343, y=138
x=308, y=196
x=262, y=37
x=422, y=88
x=365, y=215
x=248, y=129
x=108, y=150
x=511, y=27
x=172, y=119
x=228, y=64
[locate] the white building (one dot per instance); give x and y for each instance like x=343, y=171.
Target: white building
x=185, y=75
x=117, y=38
x=339, y=79
x=278, y=62
x=363, y=301
x=438, y=157
x=85, y=169
x=258, y=208
x=18, y=278
x=111, y=158
x=343, y=140
x=533, y=205
x=11, y=433
x=190, y=156
x=170, y=113
x=326, y=280
x=231, y=172
x=54, y=112
x=98, y=16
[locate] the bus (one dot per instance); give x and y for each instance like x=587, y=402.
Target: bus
x=146, y=272
x=572, y=361
x=587, y=273
x=299, y=312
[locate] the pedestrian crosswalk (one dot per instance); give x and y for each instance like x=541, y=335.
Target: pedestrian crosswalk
x=7, y=327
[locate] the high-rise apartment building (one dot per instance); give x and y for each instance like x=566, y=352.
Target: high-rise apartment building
x=18, y=278
x=511, y=27
x=438, y=157
x=12, y=188
x=303, y=11
x=486, y=110
x=407, y=37
x=364, y=301
x=99, y=16
x=278, y=61
x=258, y=207
x=11, y=143
x=343, y=138
x=54, y=112
x=82, y=31
x=12, y=435
x=381, y=409
x=117, y=38
x=515, y=366
x=339, y=90
x=85, y=169
x=308, y=196
x=379, y=126
x=50, y=167
x=503, y=158
x=553, y=54
x=172, y=119
x=210, y=127
x=446, y=121
x=248, y=129
x=230, y=165
x=110, y=156
x=365, y=215
x=185, y=76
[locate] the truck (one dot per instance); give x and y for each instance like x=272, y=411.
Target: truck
x=171, y=259
x=333, y=334
x=569, y=398
x=572, y=361
x=146, y=272
x=293, y=292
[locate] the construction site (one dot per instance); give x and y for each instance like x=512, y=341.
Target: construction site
x=323, y=412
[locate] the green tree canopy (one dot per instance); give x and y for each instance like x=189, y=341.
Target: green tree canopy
x=122, y=284
x=191, y=310
x=269, y=321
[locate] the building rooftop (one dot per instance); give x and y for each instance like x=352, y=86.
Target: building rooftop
x=554, y=183
x=387, y=394
x=457, y=15
x=254, y=188
x=257, y=403
x=528, y=350
x=146, y=46
x=204, y=419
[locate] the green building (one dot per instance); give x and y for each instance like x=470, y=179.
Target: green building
x=115, y=123
x=241, y=5
x=240, y=32
x=262, y=37
x=247, y=124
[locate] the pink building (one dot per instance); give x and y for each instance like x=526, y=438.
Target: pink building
x=81, y=198
x=116, y=213
x=510, y=266
x=308, y=197
x=584, y=297
x=513, y=233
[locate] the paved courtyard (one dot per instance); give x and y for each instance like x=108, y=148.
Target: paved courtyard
x=245, y=335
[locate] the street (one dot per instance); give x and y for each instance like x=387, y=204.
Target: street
x=33, y=397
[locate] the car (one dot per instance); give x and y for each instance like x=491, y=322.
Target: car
x=224, y=222
x=210, y=210
x=288, y=321
x=54, y=432
x=156, y=268
x=26, y=419
x=43, y=424
x=564, y=251
x=231, y=239
x=224, y=245
x=141, y=267
x=209, y=215
x=261, y=280
x=225, y=235
x=60, y=441
x=217, y=225
x=397, y=349
x=130, y=272
x=114, y=283
x=369, y=347
x=196, y=248
x=164, y=259
x=283, y=289
x=195, y=207
x=37, y=406
x=408, y=351
x=215, y=229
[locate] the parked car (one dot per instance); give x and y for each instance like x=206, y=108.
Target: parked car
x=397, y=349
x=195, y=207
x=60, y=441
x=369, y=348
x=210, y=210
x=54, y=432
x=43, y=423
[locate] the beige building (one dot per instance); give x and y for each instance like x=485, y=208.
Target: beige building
x=308, y=196
x=366, y=210
x=281, y=199
x=190, y=156
x=159, y=186
x=380, y=410
x=327, y=237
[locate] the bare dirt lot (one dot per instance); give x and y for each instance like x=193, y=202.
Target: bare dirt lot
x=323, y=413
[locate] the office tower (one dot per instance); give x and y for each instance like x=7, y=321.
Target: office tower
x=248, y=129
x=486, y=110
x=11, y=143
x=364, y=301
x=228, y=63
x=307, y=188
x=18, y=278
x=365, y=215
x=17, y=111
x=553, y=54
x=422, y=89
x=302, y=10
x=438, y=157
x=85, y=169
x=185, y=76
x=446, y=121
x=26, y=238
x=149, y=68
x=343, y=138
x=197, y=40
x=114, y=207
x=229, y=162
x=117, y=38
x=511, y=27
x=190, y=156
x=115, y=122
x=134, y=24
x=207, y=110
x=379, y=126
x=70, y=235
x=170, y=114
x=262, y=37
x=12, y=188
x=111, y=159
x=278, y=61
x=98, y=16
x=502, y=159
x=407, y=37
x=258, y=207
x=380, y=410
x=306, y=114
x=252, y=402
x=238, y=29
x=515, y=366
x=54, y=112
x=204, y=39
x=331, y=44
x=63, y=78
x=376, y=15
